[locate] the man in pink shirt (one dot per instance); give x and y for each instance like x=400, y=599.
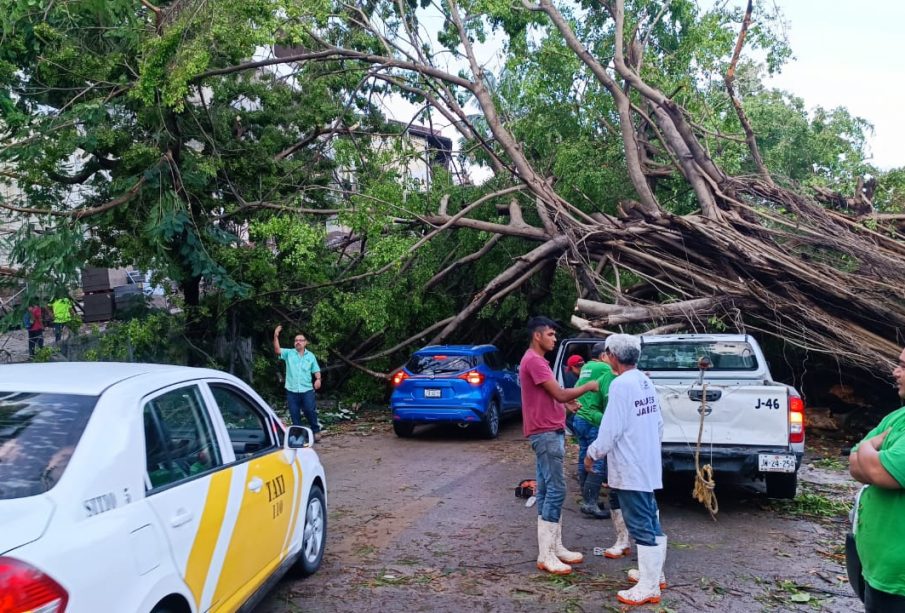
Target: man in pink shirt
x=544, y=423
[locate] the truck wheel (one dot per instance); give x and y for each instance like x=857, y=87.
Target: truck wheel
x=491, y=426
x=781, y=485
x=403, y=429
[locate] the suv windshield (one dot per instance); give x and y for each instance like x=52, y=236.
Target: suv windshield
x=439, y=364
x=38, y=433
x=684, y=355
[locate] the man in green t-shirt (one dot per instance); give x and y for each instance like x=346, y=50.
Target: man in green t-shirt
x=879, y=461
x=585, y=425
x=301, y=367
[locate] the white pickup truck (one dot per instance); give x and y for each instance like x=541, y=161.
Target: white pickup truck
x=753, y=426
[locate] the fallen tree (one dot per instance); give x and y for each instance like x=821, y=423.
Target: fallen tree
x=621, y=145
x=763, y=252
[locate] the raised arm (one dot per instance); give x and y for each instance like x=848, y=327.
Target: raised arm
x=276, y=340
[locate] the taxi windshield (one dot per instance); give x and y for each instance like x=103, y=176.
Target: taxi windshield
x=38, y=434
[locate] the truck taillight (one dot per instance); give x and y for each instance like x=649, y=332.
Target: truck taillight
x=24, y=588
x=473, y=377
x=796, y=419
x=398, y=378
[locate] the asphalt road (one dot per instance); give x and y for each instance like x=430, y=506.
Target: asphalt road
x=432, y=524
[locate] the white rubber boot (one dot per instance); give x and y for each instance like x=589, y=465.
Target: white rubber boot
x=623, y=546
x=634, y=575
x=542, y=546
x=546, y=556
x=564, y=555
x=650, y=563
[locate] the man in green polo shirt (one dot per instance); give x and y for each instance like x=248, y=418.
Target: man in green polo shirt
x=586, y=424
x=301, y=365
x=879, y=461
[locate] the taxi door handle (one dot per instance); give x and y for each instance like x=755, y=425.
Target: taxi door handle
x=182, y=517
x=256, y=484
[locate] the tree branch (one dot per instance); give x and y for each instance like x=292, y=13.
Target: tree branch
x=81, y=213
x=496, y=288
x=737, y=104
x=477, y=255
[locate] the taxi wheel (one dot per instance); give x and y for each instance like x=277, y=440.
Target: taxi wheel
x=315, y=533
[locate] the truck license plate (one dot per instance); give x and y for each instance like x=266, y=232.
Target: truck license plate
x=431, y=393
x=775, y=463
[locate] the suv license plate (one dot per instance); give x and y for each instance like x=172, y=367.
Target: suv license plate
x=431, y=393
x=774, y=463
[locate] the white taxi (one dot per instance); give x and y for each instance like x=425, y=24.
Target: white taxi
x=149, y=488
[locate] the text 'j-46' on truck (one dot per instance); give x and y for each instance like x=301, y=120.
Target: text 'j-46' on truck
x=753, y=426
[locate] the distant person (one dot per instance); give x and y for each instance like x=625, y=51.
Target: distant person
x=629, y=438
x=572, y=371
x=879, y=462
x=586, y=424
x=33, y=322
x=301, y=366
x=63, y=317
x=544, y=425
x=569, y=377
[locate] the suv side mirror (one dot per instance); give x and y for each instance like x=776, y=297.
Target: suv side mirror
x=298, y=437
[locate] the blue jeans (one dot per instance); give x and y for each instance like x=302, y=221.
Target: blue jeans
x=549, y=450
x=303, y=402
x=586, y=433
x=639, y=511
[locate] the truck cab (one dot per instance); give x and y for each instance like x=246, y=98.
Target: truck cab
x=747, y=423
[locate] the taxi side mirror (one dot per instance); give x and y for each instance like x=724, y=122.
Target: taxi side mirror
x=298, y=437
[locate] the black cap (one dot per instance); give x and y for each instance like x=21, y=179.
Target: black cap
x=597, y=349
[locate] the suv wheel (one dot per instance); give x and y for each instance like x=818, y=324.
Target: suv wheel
x=491, y=426
x=781, y=485
x=403, y=429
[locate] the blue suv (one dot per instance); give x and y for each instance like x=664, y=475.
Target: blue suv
x=456, y=384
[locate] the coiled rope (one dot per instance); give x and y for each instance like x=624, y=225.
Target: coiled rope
x=704, y=483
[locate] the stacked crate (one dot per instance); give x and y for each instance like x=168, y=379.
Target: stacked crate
x=99, y=284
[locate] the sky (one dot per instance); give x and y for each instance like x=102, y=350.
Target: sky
x=852, y=55
x=845, y=54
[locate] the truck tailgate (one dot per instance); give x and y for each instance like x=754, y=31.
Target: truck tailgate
x=735, y=414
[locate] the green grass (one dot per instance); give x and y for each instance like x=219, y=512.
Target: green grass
x=830, y=463
x=808, y=504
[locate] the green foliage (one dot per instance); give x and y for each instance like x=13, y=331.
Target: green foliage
x=830, y=463
x=154, y=338
x=235, y=167
x=361, y=387
x=890, y=194
x=44, y=354
x=812, y=504
x=297, y=242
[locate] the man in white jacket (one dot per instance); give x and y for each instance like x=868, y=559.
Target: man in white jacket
x=629, y=438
